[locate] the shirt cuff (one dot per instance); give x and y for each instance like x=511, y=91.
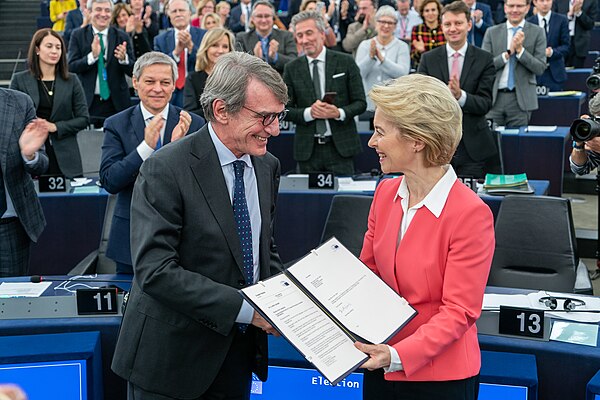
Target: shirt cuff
x=479, y=24
x=91, y=60
x=342, y=115
x=307, y=115
x=519, y=54
x=125, y=61
x=463, y=98
x=246, y=313
x=395, y=364
x=579, y=14
x=144, y=150
x=175, y=56
x=36, y=157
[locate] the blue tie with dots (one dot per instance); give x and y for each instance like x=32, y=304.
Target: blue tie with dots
x=242, y=220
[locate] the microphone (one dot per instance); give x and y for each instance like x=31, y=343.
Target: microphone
x=39, y=278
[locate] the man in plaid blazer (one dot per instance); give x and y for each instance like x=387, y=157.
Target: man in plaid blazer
x=22, y=138
x=326, y=138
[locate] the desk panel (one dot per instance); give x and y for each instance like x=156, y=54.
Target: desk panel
x=560, y=110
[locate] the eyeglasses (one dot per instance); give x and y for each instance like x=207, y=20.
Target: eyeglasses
x=519, y=6
x=388, y=23
x=263, y=16
x=267, y=119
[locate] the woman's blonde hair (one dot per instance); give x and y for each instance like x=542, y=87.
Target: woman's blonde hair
x=422, y=108
x=214, y=16
x=211, y=37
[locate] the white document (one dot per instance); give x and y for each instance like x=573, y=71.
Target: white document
x=574, y=332
x=327, y=301
x=350, y=185
x=22, y=289
x=540, y=128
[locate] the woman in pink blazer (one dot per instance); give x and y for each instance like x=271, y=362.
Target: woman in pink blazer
x=431, y=239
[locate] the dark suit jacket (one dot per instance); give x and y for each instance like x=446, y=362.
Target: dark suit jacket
x=350, y=97
x=583, y=24
x=343, y=23
x=194, y=87
x=79, y=48
x=120, y=165
x=179, y=322
x=557, y=38
x=16, y=111
x=476, y=79
x=69, y=113
x=165, y=43
x=74, y=21
x=234, y=19
x=487, y=21
x=245, y=41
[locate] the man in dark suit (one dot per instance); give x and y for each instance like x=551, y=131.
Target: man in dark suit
x=556, y=27
x=202, y=218
x=274, y=46
x=470, y=80
x=75, y=20
x=101, y=56
x=326, y=138
x=519, y=50
x=135, y=134
x=582, y=16
x=239, y=19
x=180, y=43
x=481, y=19
x=22, y=154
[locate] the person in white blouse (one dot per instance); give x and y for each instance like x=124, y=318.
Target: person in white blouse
x=383, y=57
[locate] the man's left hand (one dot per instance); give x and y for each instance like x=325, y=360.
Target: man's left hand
x=322, y=110
x=182, y=127
x=33, y=138
x=454, y=86
x=478, y=15
x=273, y=48
x=121, y=51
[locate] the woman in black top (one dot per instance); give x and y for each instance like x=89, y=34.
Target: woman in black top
x=59, y=100
x=216, y=42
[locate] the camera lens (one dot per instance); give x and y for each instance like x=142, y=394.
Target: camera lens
x=593, y=82
x=584, y=129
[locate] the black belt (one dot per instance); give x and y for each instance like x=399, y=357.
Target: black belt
x=8, y=220
x=506, y=90
x=323, y=139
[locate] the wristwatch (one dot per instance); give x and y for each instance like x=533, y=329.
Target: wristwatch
x=578, y=147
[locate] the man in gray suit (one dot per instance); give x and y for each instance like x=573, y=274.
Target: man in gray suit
x=22, y=153
x=519, y=50
x=201, y=229
x=274, y=46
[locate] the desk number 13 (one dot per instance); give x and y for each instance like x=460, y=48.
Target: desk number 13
x=108, y=298
x=534, y=325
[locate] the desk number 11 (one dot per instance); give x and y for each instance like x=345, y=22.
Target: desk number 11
x=108, y=296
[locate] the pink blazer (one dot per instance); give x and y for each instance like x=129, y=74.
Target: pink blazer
x=441, y=267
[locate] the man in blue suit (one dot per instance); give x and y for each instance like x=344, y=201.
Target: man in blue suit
x=75, y=19
x=556, y=27
x=180, y=43
x=481, y=18
x=133, y=135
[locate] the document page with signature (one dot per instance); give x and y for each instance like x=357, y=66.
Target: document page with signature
x=308, y=328
x=352, y=293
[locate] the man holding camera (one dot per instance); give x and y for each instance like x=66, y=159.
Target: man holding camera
x=585, y=155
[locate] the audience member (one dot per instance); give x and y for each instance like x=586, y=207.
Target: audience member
x=101, y=56
x=211, y=21
x=58, y=99
x=585, y=156
x=481, y=19
x=144, y=19
x=58, y=13
x=317, y=5
x=519, y=50
x=556, y=28
x=120, y=16
x=22, y=149
x=274, y=46
x=407, y=19
x=497, y=7
x=181, y=44
x=431, y=213
x=582, y=16
x=326, y=138
x=341, y=14
x=363, y=28
x=123, y=19
x=204, y=7
x=223, y=9
x=132, y=135
x=469, y=73
x=77, y=18
x=427, y=35
x=202, y=217
x=239, y=19
x=215, y=43
x=384, y=57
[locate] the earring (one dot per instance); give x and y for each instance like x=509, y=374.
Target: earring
x=37, y=54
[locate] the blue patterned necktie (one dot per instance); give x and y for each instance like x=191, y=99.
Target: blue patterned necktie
x=512, y=61
x=242, y=220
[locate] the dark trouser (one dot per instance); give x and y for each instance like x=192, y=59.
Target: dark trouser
x=506, y=111
x=100, y=110
x=375, y=387
x=14, y=248
x=464, y=165
x=233, y=381
x=325, y=158
x=572, y=59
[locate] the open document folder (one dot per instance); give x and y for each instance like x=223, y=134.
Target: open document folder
x=325, y=302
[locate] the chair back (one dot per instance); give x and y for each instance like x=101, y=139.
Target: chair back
x=347, y=221
x=105, y=265
x=90, y=147
x=535, y=244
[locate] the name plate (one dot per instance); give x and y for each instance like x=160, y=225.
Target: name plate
x=523, y=322
x=52, y=183
x=321, y=180
x=97, y=301
x=469, y=181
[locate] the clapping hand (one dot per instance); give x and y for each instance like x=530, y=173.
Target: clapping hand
x=182, y=127
x=33, y=137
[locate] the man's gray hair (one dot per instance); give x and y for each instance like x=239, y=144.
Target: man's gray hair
x=152, y=58
x=386, y=11
x=188, y=2
x=305, y=16
x=266, y=3
x=230, y=79
x=90, y=2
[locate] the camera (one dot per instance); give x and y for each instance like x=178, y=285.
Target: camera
x=584, y=129
x=593, y=81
